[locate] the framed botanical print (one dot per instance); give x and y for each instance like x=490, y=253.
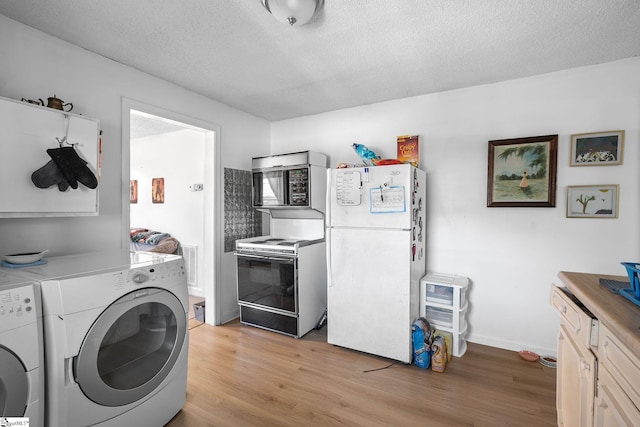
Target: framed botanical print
x=593, y=201
x=522, y=172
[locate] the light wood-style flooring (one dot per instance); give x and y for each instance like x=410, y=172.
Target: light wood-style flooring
x=244, y=376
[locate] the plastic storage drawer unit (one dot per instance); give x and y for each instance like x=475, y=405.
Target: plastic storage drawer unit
x=446, y=317
x=443, y=302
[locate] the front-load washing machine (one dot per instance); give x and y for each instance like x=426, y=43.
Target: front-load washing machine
x=116, y=338
x=21, y=356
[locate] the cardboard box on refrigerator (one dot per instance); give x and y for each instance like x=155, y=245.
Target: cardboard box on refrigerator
x=408, y=149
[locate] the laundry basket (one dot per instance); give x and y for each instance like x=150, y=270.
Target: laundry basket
x=633, y=293
x=198, y=311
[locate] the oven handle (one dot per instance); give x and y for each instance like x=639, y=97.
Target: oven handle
x=286, y=260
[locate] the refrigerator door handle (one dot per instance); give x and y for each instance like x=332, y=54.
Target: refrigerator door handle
x=329, y=269
x=327, y=215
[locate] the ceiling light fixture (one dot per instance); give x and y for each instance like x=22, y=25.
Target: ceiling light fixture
x=293, y=12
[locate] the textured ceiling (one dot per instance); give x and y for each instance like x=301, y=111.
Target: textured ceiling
x=352, y=53
x=142, y=125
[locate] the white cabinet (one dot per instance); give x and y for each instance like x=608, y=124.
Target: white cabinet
x=443, y=302
x=598, y=375
x=575, y=381
x=618, y=383
x=576, y=369
x=613, y=407
x=26, y=132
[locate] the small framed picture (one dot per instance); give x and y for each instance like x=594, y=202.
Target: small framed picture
x=133, y=191
x=597, y=149
x=157, y=190
x=592, y=201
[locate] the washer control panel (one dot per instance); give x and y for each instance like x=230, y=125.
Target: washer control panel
x=165, y=271
x=17, y=307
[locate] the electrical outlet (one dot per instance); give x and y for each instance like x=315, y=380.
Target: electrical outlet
x=196, y=187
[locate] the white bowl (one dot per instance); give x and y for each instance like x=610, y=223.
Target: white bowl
x=25, y=258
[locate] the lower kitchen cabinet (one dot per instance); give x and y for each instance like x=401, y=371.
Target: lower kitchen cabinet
x=598, y=375
x=612, y=406
x=576, y=369
x=576, y=382
x=618, y=394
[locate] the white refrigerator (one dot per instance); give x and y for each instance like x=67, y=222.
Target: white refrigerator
x=375, y=257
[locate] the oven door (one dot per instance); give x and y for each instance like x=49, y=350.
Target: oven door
x=266, y=281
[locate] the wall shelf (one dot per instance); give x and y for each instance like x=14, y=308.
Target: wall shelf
x=26, y=132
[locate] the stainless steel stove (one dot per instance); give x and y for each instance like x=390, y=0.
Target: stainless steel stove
x=281, y=283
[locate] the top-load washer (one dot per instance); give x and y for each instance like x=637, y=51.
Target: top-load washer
x=21, y=353
x=116, y=338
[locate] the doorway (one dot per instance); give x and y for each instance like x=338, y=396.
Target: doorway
x=189, y=209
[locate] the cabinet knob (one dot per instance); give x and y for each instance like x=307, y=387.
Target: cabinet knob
x=564, y=309
x=585, y=365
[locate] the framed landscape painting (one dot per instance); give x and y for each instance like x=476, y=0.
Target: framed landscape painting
x=593, y=201
x=522, y=172
x=597, y=149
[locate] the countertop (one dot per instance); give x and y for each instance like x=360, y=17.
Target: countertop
x=618, y=314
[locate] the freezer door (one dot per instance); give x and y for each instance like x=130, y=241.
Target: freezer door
x=376, y=197
x=371, y=303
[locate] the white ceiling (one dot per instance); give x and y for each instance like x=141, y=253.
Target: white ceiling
x=354, y=52
x=142, y=125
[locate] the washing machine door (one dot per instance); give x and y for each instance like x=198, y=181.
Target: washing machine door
x=14, y=385
x=131, y=347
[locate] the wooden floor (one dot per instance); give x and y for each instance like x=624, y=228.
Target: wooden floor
x=244, y=376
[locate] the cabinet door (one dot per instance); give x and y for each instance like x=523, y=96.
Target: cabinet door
x=612, y=406
x=621, y=362
x=575, y=382
x=26, y=132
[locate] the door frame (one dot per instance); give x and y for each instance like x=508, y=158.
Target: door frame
x=213, y=214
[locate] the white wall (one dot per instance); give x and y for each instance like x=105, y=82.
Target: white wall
x=511, y=255
x=35, y=65
x=178, y=157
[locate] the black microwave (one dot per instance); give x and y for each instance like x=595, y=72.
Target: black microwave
x=274, y=188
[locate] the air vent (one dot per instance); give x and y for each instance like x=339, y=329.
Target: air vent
x=190, y=255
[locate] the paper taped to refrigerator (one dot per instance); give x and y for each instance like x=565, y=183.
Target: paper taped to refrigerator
x=387, y=199
x=348, y=188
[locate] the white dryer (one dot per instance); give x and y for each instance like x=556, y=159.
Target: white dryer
x=116, y=338
x=21, y=356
